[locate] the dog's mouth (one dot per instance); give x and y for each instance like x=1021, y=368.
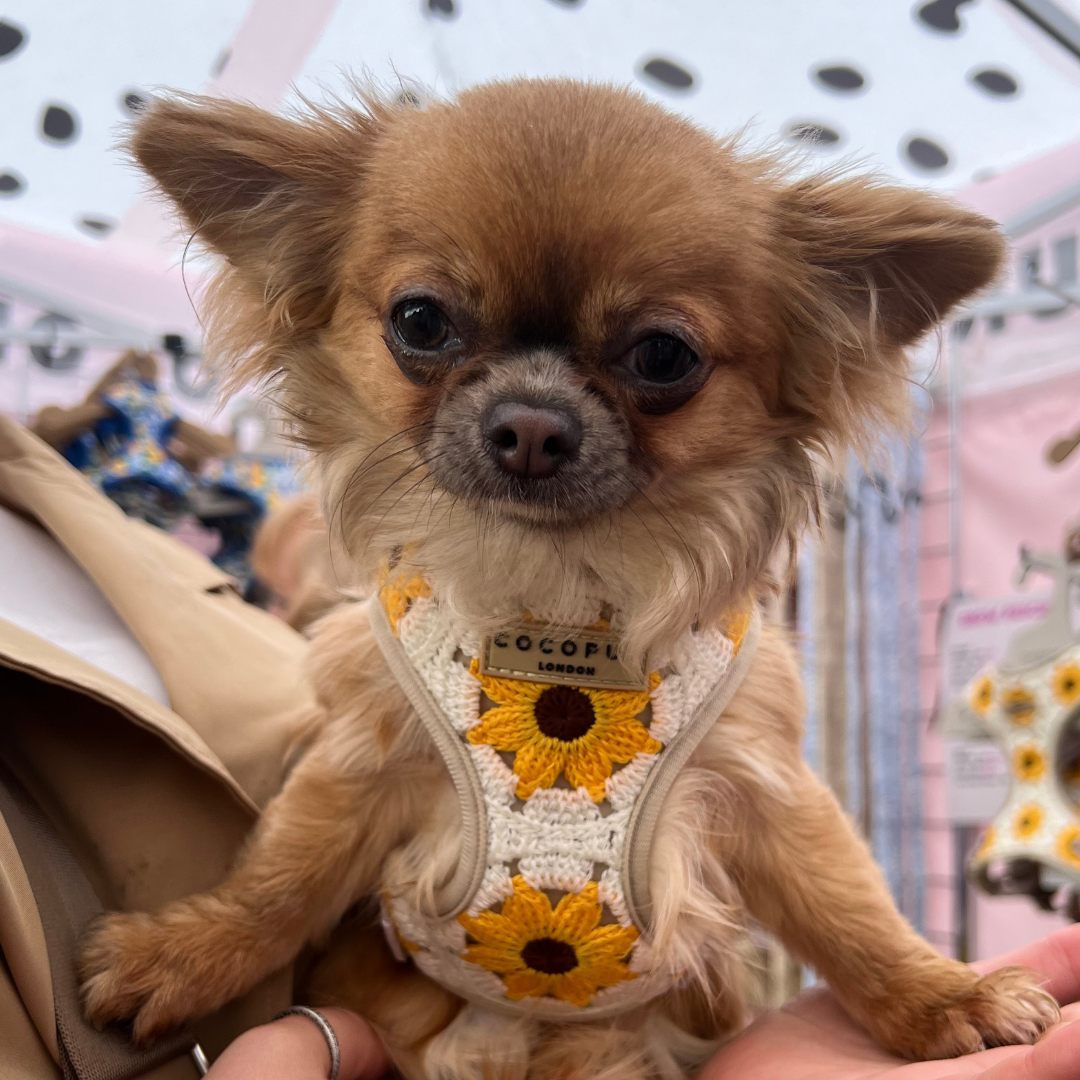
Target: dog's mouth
x=528, y=444
x=541, y=487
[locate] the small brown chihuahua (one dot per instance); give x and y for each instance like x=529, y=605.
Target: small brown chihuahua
x=565, y=361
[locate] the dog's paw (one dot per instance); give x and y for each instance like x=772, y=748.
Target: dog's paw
x=130, y=969
x=1005, y=1008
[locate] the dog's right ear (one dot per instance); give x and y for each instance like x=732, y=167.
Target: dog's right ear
x=267, y=193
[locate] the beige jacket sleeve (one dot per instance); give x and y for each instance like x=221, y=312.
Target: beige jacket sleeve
x=152, y=801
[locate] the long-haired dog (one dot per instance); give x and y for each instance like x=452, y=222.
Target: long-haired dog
x=565, y=362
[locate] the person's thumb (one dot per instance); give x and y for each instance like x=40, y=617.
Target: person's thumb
x=1057, y=1057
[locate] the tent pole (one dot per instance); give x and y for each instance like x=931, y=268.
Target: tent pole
x=955, y=482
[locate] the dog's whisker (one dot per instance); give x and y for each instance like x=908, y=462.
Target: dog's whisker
x=692, y=557
x=358, y=473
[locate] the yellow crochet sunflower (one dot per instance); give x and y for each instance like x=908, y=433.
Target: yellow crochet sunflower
x=982, y=695
x=1028, y=762
x=1018, y=704
x=1066, y=683
x=1068, y=845
x=989, y=839
x=735, y=624
x=576, y=731
x=398, y=594
x=539, y=951
x=1028, y=821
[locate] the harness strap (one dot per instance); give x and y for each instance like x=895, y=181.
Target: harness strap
x=453, y=896
x=646, y=812
x=66, y=903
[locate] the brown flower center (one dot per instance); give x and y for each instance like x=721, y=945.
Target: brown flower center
x=549, y=956
x=564, y=713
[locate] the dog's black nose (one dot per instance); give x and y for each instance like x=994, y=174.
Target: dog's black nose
x=529, y=441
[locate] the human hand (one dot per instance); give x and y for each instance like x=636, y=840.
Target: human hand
x=812, y=1038
x=293, y=1048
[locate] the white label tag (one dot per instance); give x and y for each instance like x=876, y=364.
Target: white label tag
x=977, y=781
x=549, y=654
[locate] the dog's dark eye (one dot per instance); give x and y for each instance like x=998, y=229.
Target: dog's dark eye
x=662, y=358
x=420, y=325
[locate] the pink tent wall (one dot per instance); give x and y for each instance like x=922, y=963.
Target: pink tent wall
x=1021, y=391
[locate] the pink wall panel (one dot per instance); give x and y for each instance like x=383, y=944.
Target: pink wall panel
x=1010, y=495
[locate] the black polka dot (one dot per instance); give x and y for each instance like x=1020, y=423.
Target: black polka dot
x=445, y=8
x=96, y=225
x=840, y=77
x=11, y=183
x=813, y=133
x=221, y=62
x=132, y=102
x=962, y=328
x=12, y=39
x=995, y=82
x=669, y=74
x=925, y=154
x=941, y=15
x=568, y=3
x=58, y=124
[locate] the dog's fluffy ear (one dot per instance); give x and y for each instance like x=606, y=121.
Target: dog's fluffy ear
x=266, y=192
x=878, y=267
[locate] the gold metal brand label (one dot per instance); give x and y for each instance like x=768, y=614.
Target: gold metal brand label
x=549, y=654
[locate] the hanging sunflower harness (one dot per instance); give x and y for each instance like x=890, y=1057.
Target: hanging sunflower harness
x=561, y=782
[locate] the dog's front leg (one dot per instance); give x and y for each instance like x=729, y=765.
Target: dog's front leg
x=318, y=846
x=807, y=876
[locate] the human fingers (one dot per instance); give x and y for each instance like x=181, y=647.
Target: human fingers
x=287, y=1049
x=363, y=1056
x=293, y=1048
x=1056, y=1057
x=1056, y=956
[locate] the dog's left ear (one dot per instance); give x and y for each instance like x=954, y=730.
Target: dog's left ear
x=266, y=192
x=874, y=267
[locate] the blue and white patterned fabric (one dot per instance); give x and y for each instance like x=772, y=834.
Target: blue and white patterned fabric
x=129, y=445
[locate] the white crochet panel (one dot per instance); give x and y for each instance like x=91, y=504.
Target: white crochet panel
x=558, y=843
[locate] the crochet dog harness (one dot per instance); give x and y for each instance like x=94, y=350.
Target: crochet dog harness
x=561, y=780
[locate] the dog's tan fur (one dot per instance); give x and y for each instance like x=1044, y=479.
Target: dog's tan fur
x=541, y=213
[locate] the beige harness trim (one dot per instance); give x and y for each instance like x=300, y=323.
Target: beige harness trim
x=452, y=897
x=646, y=812
x=455, y=895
